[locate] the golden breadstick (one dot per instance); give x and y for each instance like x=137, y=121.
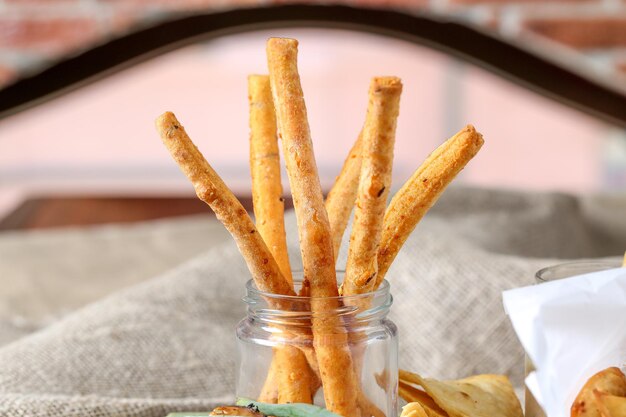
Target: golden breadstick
x=315, y=240
x=624, y=262
x=289, y=370
x=329, y=339
x=211, y=189
x=377, y=143
x=421, y=191
x=294, y=376
x=267, y=190
x=290, y=378
x=341, y=197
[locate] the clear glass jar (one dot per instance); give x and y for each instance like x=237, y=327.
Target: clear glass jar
x=552, y=273
x=274, y=322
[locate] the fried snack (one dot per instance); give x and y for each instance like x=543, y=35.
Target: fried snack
x=377, y=142
x=211, y=189
x=610, y=405
x=294, y=376
x=610, y=381
x=269, y=213
x=412, y=394
x=476, y=396
x=235, y=411
x=413, y=410
x=341, y=197
x=283, y=370
x=267, y=190
x=330, y=340
x=416, y=409
x=421, y=191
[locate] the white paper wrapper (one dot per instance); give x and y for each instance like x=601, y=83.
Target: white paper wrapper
x=571, y=329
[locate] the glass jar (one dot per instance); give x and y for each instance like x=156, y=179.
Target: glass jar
x=552, y=273
x=275, y=322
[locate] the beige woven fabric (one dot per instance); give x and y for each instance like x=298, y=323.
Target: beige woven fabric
x=46, y=274
x=168, y=343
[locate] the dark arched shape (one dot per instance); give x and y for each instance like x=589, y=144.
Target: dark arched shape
x=507, y=60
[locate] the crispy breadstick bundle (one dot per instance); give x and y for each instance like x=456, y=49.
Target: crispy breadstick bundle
x=421, y=191
x=377, y=144
x=341, y=197
x=329, y=338
x=211, y=189
x=267, y=190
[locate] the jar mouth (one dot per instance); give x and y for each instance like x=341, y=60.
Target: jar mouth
x=298, y=279
x=572, y=268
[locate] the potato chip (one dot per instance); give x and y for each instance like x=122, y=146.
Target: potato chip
x=476, y=396
x=610, y=405
x=610, y=381
x=413, y=410
x=412, y=394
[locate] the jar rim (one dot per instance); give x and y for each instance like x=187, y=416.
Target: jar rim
x=251, y=288
x=541, y=275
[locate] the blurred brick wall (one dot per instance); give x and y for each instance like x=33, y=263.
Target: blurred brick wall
x=34, y=33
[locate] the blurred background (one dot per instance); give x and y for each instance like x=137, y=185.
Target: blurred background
x=99, y=141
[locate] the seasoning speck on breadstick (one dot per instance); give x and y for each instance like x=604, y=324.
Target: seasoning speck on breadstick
x=421, y=191
x=211, y=189
x=341, y=197
x=377, y=142
x=329, y=337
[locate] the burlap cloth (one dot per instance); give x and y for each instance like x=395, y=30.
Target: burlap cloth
x=168, y=343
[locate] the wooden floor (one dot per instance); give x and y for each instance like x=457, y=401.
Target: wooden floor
x=81, y=211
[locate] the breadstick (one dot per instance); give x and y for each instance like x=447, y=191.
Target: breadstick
x=289, y=375
x=624, y=262
x=341, y=197
x=211, y=189
x=294, y=376
x=267, y=190
x=421, y=191
x=377, y=143
x=329, y=338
